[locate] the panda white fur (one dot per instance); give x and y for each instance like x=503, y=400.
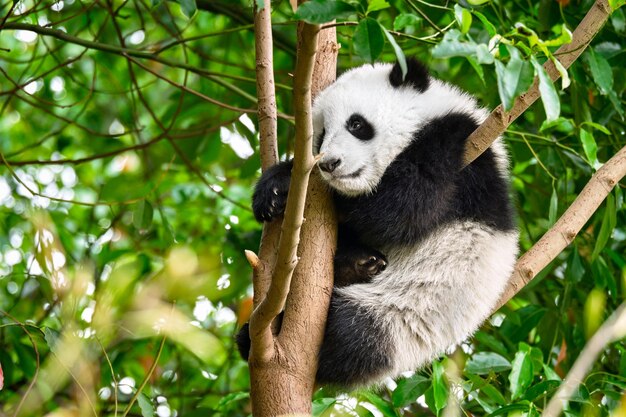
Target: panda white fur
x=425, y=248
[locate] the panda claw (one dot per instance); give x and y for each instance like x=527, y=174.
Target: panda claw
x=371, y=265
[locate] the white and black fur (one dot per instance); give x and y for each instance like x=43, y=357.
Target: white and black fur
x=425, y=247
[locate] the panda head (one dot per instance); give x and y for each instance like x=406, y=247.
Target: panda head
x=369, y=115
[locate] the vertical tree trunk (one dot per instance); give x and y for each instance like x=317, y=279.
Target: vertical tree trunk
x=283, y=383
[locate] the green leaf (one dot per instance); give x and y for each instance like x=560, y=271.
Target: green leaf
x=375, y=5
x=188, y=7
x=513, y=79
x=440, y=388
x=491, y=342
x=618, y=19
x=52, y=338
x=489, y=390
x=368, y=39
x=565, y=81
x=233, y=397
x=408, y=390
x=404, y=20
x=485, y=362
x=491, y=29
x=322, y=404
x=147, y=409
x=521, y=373
x=575, y=269
x=260, y=5
x=609, y=222
x=589, y=146
x=565, y=36
x=600, y=71
x=477, y=67
x=597, y=126
x=26, y=360
x=322, y=11
x=483, y=55
x=554, y=205
x=398, y=51
x=477, y=2
x=550, y=374
x=560, y=124
x=383, y=406
x=463, y=18
x=549, y=96
x=616, y=4
x=142, y=215
x=520, y=406
x=451, y=46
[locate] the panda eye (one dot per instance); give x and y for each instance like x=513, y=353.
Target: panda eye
x=359, y=127
x=355, y=125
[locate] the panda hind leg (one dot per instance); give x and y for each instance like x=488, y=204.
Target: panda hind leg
x=357, y=349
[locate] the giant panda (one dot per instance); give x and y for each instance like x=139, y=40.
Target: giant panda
x=425, y=246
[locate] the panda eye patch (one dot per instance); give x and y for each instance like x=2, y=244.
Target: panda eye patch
x=359, y=127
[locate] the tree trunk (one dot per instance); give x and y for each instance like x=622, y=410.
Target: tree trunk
x=283, y=371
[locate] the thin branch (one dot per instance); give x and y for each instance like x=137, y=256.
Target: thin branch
x=499, y=120
x=426, y=39
x=146, y=378
x=115, y=152
x=17, y=178
x=262, y=273
x=286, y=258
x=128, y=52
x=568, y=226
x=265, y=88
x=614, y=328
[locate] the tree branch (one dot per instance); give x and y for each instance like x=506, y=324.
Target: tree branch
x=261, y=270
x=499, y=120
x=283, y=380
x=286, y=258
x=266, y=94
x=568, y=226
x=233, y=11
x=128, y=52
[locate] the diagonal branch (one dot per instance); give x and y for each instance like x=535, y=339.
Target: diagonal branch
x=568, y=226
x=499, y=120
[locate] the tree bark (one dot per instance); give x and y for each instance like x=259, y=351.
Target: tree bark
x=283, y=366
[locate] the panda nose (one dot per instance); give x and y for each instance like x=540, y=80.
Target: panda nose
x=330, y=165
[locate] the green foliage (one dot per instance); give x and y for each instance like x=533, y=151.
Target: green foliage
x=127, y=168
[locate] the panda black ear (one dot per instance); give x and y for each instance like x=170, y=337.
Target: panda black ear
x=416, y=76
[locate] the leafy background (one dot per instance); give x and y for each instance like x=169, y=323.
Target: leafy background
x=129, y=149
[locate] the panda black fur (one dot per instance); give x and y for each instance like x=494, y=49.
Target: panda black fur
x=425, y=247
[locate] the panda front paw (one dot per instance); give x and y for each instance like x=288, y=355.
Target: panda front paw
x=270, y=194
x=371, y=265
x=357, y=264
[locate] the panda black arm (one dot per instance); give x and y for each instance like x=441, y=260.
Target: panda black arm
x=270, y=193
x=417, y=191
